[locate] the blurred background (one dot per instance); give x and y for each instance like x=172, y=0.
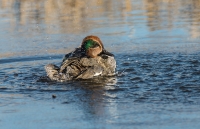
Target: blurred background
x=129, y=25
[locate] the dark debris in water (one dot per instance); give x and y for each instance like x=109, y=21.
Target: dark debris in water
x=54, y=96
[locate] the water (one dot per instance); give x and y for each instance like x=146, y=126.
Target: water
x=156, y=45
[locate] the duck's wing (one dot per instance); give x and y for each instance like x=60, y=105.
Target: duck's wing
x=72, y=67
x=53, y=73
x=90, y=72
x=68, y=62
x=69, y=70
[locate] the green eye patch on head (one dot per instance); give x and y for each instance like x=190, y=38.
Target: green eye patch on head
x=90, y=44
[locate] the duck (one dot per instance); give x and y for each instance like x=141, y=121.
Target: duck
x=89, y=60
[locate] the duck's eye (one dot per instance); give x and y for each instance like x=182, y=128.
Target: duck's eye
x=90, y=44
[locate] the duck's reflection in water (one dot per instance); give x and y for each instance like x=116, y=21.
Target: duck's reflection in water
x=96, y=102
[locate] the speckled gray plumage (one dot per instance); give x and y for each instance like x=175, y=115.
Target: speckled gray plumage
x=76, y=66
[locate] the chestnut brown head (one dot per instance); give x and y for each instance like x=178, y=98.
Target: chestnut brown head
x=92, y=46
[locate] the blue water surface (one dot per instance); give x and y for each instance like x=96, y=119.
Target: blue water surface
x=156, y=46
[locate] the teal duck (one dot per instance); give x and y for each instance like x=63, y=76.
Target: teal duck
x=85, y=62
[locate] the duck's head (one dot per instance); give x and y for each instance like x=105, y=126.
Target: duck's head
x=92, y=46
